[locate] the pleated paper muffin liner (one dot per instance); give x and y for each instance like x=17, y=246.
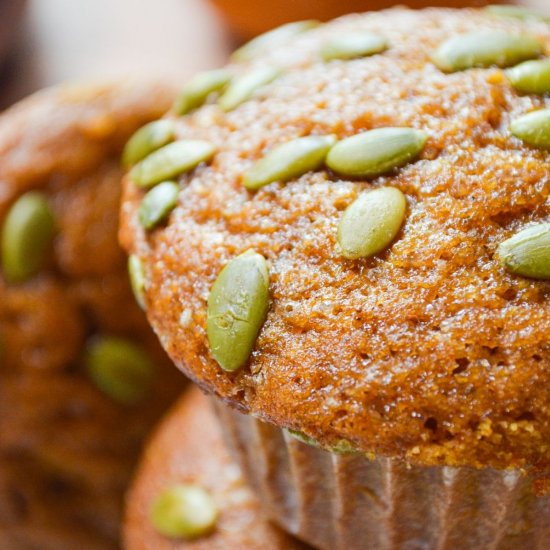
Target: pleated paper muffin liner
x=348, y=502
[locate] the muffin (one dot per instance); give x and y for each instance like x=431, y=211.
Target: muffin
x=187, y=448
x=356, y=255
x=82, y=377
x=248, y=18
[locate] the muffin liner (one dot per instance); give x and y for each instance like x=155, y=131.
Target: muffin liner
x=336, y=501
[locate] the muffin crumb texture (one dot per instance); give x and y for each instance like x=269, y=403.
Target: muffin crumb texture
x=430, y=350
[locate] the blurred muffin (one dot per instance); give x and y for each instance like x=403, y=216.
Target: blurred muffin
x=248, y=18
x=82, y=377
x=344, y=257
x=187, y=449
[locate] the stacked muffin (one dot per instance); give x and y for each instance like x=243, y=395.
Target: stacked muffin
x=346, y=241
x=82, y=377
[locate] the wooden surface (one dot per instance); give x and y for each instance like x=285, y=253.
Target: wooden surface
x=68, y=40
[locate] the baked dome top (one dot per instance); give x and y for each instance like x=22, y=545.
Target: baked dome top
x=429, y=350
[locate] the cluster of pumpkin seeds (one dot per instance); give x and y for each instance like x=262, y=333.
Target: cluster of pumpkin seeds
x=526, y=253
x=117, y=367
x=238, y=302
x=239, y=299
x=156, y=157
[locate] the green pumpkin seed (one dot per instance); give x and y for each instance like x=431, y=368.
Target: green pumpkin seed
x=272, y=39
x=533, y=128
x=170, y=161
x=485, y=49
x=242, y=88
x=199, y=88
x=137, y=279
x=302, y=437
x=344, y=447
x=531, y=77
x=184, y=511
x=289, y=160
x=516, y=12
x=527, y=253
x=27, y=234
x=371, y=222
x=147, y=139
x=119, y=368
x=158, y=203
x=237, y=309
x=354, y=45
x=376, y=152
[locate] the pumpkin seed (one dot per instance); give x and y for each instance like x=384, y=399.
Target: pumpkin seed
x=272, y=39
x=371, y=222
x=517, y=12
x=354, y=45
x=170, y=161
x=531, y=77
x=119, y=368
x=137, y=279
x=289, y=160
x=302, y=437
x=242, y=88
x=199, y=88
x=147, y=139
x=158, y=203
x=484, y=49
x=184, y=511
x=237, y=309
x=27, y=234
x=344, y=447
x=376, y=152
x=533, y=128
x=527, y=253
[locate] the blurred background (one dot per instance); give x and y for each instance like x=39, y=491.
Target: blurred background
x=44, y=42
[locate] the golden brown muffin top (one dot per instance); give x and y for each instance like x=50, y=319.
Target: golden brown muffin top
x=430, y=350
x=66, y=448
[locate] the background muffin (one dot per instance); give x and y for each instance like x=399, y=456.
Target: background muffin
x=187, y=449
x=82, y=376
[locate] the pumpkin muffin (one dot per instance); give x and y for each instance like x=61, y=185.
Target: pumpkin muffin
x=82, y=377
x=355, y=251
x=187, y=451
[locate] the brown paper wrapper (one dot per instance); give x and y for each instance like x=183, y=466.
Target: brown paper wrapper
x=348, y=502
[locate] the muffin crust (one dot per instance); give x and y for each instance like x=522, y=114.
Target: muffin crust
x=429, y=351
